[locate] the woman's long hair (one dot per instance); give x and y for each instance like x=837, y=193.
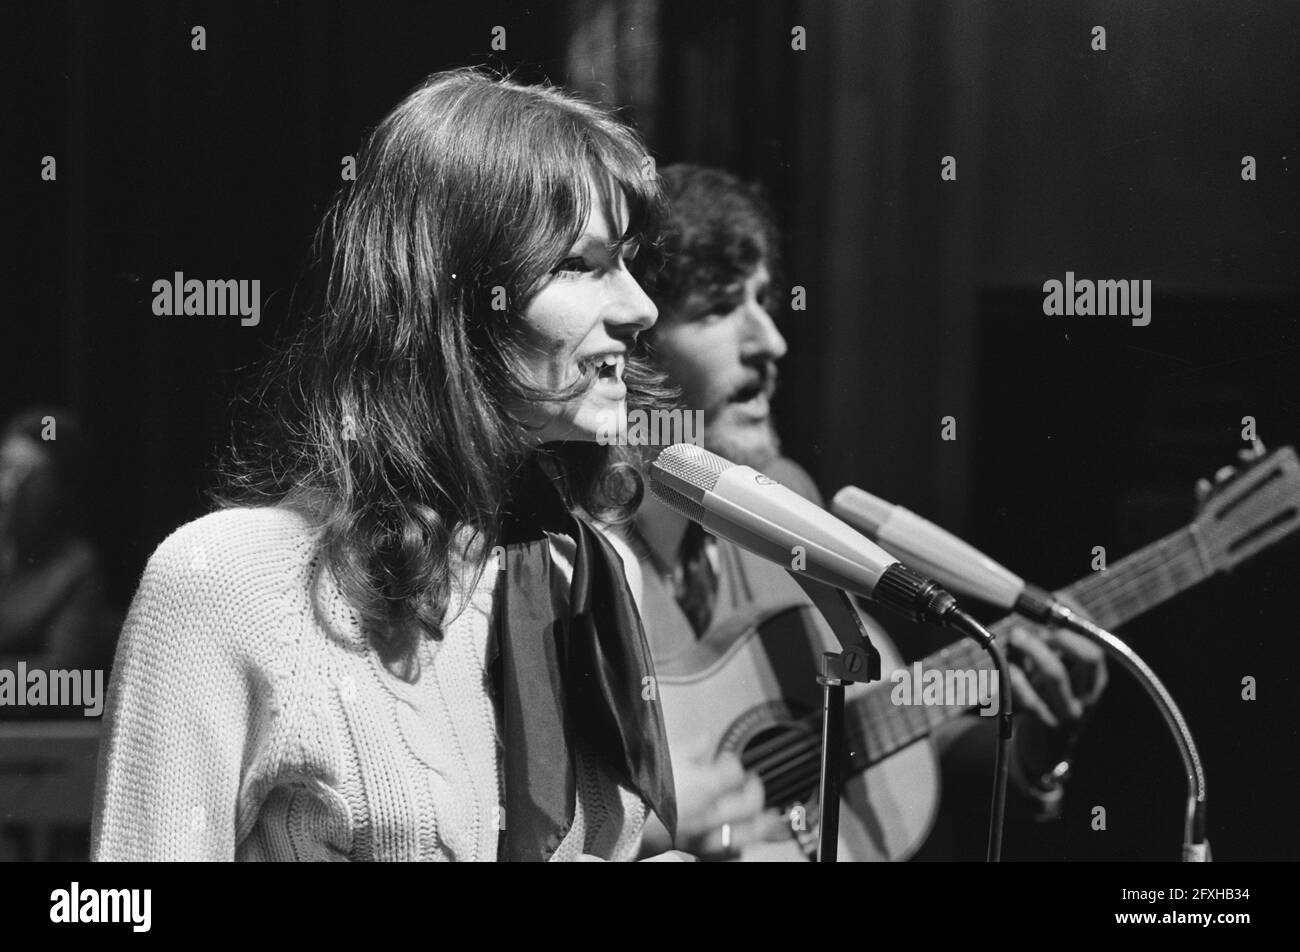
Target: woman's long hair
x=386, y=419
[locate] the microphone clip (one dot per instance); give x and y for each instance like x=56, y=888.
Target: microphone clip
x=858, y=660
x=853, y=664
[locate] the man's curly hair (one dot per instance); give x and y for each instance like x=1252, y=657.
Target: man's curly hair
x=716, y=232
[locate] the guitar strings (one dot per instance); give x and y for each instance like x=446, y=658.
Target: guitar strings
x=1126, y=600
x=794, y=747
x=1168, y=550
x=1179, y=543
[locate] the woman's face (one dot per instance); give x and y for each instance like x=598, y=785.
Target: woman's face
x=586, y=316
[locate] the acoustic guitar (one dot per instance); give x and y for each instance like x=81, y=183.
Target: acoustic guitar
x=740, y=693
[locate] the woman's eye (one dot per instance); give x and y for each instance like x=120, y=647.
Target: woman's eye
x=572, y=264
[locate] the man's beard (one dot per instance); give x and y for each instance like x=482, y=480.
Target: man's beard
x=755, y=444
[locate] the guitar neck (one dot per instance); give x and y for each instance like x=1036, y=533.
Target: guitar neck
x=877, y=727
x=1143, y=580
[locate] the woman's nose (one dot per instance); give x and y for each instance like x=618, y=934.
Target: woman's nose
x=633, y=308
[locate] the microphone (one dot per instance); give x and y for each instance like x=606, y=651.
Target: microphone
x=940, y=554
x=967, y=570
x=740, y=504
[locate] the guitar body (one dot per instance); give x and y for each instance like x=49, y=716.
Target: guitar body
x=726, y=692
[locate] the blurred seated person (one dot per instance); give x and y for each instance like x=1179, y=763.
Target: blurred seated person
x=54, y=610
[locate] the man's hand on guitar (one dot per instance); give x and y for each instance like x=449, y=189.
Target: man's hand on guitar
x=1057, y=677
x=719, y=810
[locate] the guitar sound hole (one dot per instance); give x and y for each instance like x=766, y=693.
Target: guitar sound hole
x=786, y=757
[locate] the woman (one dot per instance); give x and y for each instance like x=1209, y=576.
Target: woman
x=402, y=639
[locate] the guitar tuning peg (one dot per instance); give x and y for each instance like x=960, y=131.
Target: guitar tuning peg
x=1203, y=489
x=1225, y=474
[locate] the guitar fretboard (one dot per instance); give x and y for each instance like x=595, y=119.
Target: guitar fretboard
x=1141, y=581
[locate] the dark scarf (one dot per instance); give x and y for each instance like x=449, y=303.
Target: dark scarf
x=568, y=670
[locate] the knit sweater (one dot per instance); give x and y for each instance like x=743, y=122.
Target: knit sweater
x=249, y=718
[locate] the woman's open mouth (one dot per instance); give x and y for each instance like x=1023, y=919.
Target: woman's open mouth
x=609, y=375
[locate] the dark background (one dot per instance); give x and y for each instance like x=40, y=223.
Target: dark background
x=924, y=297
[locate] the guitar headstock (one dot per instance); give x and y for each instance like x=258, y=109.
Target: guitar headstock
x=1248, y=507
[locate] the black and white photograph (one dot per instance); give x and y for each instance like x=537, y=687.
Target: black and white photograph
x=799, y=431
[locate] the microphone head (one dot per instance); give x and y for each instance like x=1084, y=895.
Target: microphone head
x=863, y=511
x=957, y=565
x=754, y=512
x=682, y=474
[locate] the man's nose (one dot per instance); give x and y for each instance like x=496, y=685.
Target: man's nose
x=762, y=335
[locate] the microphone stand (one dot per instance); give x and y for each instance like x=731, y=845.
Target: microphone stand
x=923, y=601
x=1043, y=607
x=858, y=661
x=964, y=623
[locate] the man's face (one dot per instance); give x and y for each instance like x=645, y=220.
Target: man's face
x=721, y=347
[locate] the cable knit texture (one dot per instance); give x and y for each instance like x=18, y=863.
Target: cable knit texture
x=249, y=718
